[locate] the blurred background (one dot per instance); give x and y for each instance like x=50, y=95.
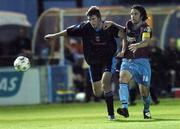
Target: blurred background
x=59, y=72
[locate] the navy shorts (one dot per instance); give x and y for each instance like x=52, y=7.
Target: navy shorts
x=96, y=70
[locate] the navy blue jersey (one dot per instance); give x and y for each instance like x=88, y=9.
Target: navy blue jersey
x=98, y=45
x=135, y=36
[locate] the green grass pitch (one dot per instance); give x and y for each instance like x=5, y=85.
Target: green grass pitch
x=88, y=116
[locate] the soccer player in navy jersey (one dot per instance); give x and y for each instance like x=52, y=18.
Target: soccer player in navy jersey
x=99, y=47
x=135, y=60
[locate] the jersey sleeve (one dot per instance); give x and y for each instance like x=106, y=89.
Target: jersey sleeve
x=128, y=25
x=115, y=31
x=76, y=30
x=147, y=32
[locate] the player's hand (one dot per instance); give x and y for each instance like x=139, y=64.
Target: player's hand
x=49, y=36
x=133, y=47
x=120, y=54
x=107, y=24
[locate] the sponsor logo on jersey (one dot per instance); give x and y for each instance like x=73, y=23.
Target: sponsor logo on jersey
x=131, y=39
x=97, y=38
x=128, y=31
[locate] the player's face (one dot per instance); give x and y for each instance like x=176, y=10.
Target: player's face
x=94, y=20
x=135, y=16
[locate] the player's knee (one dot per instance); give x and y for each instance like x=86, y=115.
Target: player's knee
x=123, y=80
x=106, y=87
x=106, y=79
x=144, y=94
x=125, y=77
x=97, y=91
x=97, y=88
x=144, y=91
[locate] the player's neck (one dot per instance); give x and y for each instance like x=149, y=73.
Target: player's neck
x=136, y=26
x=99, y=26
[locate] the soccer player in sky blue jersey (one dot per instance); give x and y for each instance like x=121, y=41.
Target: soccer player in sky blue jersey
x=135, y=59
x=135, y=62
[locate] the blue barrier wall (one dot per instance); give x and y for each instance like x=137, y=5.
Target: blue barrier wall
x=59, y=89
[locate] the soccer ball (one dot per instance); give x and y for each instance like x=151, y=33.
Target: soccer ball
x=80, y=97
x=22, y=63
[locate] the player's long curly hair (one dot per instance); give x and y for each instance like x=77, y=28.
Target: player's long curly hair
x=142, y=11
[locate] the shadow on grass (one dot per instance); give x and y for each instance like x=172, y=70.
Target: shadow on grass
x=146, y=120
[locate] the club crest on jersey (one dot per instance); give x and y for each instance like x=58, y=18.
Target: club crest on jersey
x=131, y=39
x=97, y=38
x=128, y=31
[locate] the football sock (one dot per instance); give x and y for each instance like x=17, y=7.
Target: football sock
x=124, y=94
x=147, y=101
x=109, y=102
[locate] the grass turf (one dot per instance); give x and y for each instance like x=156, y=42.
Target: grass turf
x=166, y=115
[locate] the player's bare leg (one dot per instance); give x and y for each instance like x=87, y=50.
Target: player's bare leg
x=97, y=88
x=144, y=91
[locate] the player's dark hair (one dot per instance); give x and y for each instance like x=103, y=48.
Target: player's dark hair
x=93, y=10
x=142, y=11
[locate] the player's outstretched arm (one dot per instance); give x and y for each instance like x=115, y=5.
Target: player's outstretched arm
x=123, y=49
x=120, y=27
x=108, y=24
x=55, y=35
